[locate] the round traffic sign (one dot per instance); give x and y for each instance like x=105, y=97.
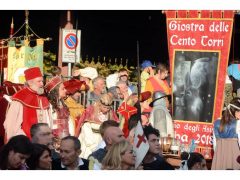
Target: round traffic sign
x=71, y=41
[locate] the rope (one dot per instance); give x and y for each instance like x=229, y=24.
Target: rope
x=6, y=40
x=34, y=32
x=17, y=31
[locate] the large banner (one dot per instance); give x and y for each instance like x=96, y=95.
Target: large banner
x=71, y=45
x=19, y=59
x=198, y=43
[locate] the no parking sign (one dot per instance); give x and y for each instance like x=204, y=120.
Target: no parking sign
x=70, y=43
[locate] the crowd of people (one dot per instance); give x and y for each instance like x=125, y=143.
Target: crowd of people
x=49, y=126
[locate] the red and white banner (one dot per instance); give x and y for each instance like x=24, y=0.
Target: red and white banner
x=141, y=145
x=198, y=43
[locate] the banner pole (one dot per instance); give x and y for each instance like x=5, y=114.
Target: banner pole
x=69, y=70
x=76, y=40
x=138, y=70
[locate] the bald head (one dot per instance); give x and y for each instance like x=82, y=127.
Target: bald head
x=113, y=135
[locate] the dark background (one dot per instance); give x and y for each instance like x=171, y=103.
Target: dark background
x=109, y=33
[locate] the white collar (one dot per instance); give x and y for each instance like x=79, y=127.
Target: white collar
x=80, y=163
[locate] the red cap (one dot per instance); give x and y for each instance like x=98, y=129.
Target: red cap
x=32, y=73
x=74, y=85
x=145, y=96
x=52, y=83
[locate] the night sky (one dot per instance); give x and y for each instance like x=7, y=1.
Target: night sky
x=104, y=33
x=110, y=33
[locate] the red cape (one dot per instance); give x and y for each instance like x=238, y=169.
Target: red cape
x=30, y=98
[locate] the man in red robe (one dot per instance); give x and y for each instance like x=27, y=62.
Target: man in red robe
x=29, y=106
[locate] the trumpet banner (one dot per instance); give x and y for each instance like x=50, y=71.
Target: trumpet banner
x=198, y=44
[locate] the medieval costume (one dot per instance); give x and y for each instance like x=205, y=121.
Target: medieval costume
x=59, y=111
x=27, y=108
x=155, y=84
x=160, y=117
x=89, y=123
x=74, y=88
x=145, y=108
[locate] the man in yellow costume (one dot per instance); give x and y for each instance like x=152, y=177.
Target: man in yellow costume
x=74, y=88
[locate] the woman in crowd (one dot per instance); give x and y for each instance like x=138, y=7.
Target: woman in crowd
x=226, y=132
x=40, y=158
x=13, y=155
x=56, y=93
x=89, y=123
x=120, y=156
x=193, y=161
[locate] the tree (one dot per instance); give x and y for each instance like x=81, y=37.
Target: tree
x=49, y=60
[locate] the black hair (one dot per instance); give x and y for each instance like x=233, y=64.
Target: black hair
x=133, y=120
x=18, y=144
x=77, y=144
x=192, y=158
x=35, y=128
x=53, y=98
x=148, y=130
x=38, y=150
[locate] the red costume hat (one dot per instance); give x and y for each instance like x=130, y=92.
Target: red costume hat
x=32, y=73
x=53, y=82
x=74, y=85
x=145, y=96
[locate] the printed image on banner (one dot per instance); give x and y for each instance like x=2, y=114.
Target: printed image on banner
x=194, y=82
x=71, y=45
x=198, y=43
